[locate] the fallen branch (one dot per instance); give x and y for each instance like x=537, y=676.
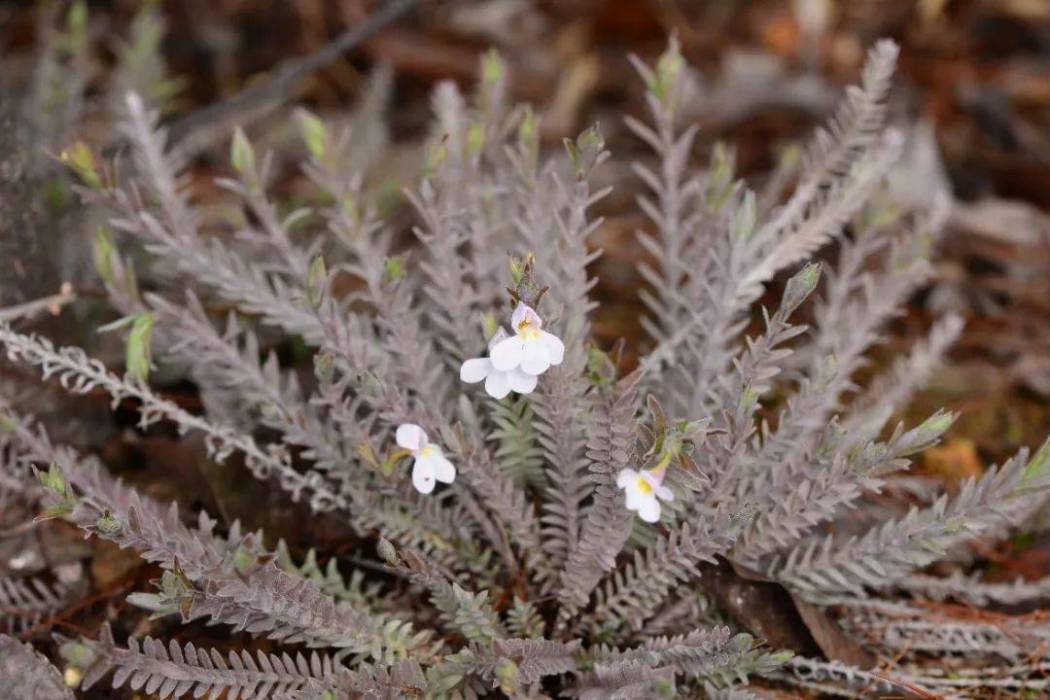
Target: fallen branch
x=52, y=304
x=195, y=130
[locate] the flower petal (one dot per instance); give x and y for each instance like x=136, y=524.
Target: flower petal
x=634, y=500
x=500, y=335
x=555, y=348
x=649, y=510
x=423, y=476
x=411, y=437
x=507, y=354
x=444, y=471
x=665, y=493
x=473, y=371
x=625, y=478
x=524, y=313
x=521, y=382
x=536, y=359
x=497, y=384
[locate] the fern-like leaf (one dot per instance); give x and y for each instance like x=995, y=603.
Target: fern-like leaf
x=26, y=601
x=168, y=670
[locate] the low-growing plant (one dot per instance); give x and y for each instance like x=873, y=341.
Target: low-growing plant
x=539, y=521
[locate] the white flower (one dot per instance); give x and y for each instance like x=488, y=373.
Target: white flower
x=531, y=348
x=430, y=464
x=498, y=384
x=642, y=489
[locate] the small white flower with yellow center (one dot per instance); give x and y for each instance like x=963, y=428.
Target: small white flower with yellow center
x=531, y=349
x=430, y=464
x=498, y=384
x=642, y=490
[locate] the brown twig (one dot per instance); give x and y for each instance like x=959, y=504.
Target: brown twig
x=196, y=128
x=52, y=304
x=60, y=618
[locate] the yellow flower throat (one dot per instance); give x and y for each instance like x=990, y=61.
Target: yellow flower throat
x=527, y=331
